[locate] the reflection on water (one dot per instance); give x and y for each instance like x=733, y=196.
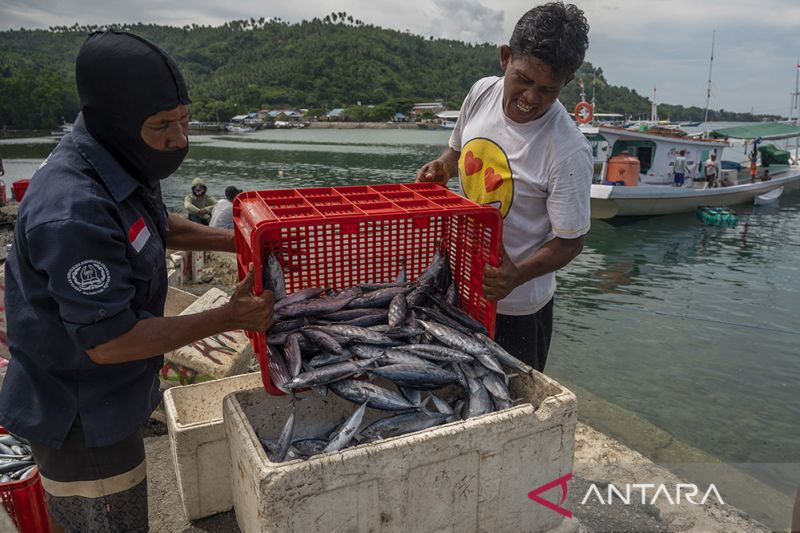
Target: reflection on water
x=692, y=327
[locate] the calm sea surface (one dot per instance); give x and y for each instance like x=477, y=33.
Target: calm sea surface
x=692, y=328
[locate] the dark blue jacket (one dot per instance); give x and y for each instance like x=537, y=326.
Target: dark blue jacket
x=88, y=262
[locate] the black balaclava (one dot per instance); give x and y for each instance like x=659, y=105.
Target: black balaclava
x=123, y=79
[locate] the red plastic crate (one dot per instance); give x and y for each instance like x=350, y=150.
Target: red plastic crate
x=24, y=502
x=337, y=237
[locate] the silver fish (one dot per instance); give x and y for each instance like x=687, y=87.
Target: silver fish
x=398, y=356
x=298, y=296
x=412, y=395
x=345, y=434
x=278, y=372
x=375, y=396
x=501, y=354
x=441, y=318
x=320, y=336
x=356, y=333
x=329, y=359
x=287, y=325
x=451, y=295
x=309, y=447
x=367, y=351
x=450, y=337
x=398, y=310
x=423, y=377
x=344, y=315
x=286, y=437
x=324, y=375
x=379, y=298
x=459, y=315
x=417, y=296
x=441, y=405
x=319, y=306
x=403, y=423
x=496, y=387
x=276, y=281
x=438, y=353
x=294, y=357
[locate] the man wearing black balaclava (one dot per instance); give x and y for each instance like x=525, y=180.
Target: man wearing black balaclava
x=86, y=285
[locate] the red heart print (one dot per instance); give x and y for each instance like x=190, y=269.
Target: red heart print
x=472, y=164
x=491, y=180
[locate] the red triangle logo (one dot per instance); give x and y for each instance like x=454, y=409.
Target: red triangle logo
x=560, y=482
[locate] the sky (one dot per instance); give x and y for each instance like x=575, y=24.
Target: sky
x=640, y=44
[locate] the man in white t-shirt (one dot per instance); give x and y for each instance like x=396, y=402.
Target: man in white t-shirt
x=517, y=148
x=222, y=214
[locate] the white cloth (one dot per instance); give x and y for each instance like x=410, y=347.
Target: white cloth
x=222, y=215
x=712, y=168
x=539, y=175
x=680, y=165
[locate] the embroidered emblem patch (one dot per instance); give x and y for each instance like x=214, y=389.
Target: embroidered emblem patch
x=89, y=277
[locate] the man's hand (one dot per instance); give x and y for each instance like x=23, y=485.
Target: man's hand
x=435, y=171
x=201, y=211
x=250, y=312
x=498, y=282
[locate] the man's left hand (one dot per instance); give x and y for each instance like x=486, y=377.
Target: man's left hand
x=498, y=282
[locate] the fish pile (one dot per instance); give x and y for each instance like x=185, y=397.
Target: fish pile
x=16, y=459
x=409, y=336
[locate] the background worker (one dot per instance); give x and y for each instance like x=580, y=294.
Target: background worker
x=198, y=203
x=679, y=169
x=533, y=164
x=712, y=170
x=222, y=214
x=86, y=285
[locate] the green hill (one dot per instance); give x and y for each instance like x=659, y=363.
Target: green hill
x=320, y=64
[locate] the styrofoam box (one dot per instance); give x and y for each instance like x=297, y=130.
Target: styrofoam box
x=197, y=438
x=472, y=475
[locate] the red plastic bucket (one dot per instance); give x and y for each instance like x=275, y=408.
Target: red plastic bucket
x=24, y=502
x=20, y=186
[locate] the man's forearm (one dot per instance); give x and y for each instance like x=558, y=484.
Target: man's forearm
x=154, y=336
x=552, y=256
x=450, y=158
x=186, y=235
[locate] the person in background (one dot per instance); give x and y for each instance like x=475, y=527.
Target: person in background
x=198, y=203
x=765, y=176
x=517, y=148
x=712, y=170
x=679, y=169
x=753, y=163
x=86, y=285
x=2, y=170
x=222, y=214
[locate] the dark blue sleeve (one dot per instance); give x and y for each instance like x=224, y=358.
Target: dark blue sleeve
x=89, y=277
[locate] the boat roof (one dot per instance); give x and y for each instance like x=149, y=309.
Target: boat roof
x=651, y=135
x=768, y=131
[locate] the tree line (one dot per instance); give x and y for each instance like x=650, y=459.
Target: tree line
x=336, y=61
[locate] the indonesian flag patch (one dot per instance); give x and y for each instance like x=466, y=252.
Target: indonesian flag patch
x=138, y=235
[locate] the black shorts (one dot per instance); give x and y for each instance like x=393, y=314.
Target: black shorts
x=527, y=337
x=95, y=489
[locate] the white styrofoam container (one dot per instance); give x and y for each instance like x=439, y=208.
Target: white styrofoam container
x=197, y=439
x=472, y=475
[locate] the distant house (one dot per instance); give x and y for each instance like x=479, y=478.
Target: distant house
x=399, y=117
x=334, y=114
x=433, y=107
x=248, y=119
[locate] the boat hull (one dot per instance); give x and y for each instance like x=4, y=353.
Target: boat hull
x=610, y=201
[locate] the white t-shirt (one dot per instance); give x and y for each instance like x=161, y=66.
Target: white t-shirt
x=680, y=165
x=712, y=167
x=538, y=174
x=222, y=215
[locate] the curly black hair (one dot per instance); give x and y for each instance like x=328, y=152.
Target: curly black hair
x=555, y=33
